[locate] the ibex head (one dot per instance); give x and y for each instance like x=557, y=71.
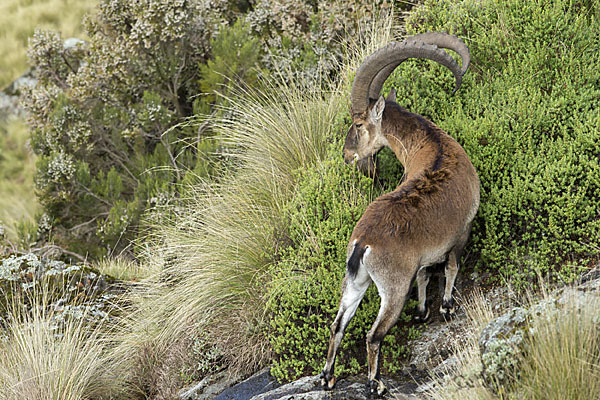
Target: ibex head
x=365, y=137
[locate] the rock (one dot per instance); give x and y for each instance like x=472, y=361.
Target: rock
x=262, y=386
x=76, y=291
x=434, y=344
x=10, y=96
x=309, y=388
x=500, y=344
x=258, y=383
x=209, y=387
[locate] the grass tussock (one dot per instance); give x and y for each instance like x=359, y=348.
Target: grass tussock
x=120, y=268
x=562, y=360
x=211, y=261
x=47, y=356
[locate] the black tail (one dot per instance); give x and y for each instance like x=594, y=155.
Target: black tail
x=354, y=260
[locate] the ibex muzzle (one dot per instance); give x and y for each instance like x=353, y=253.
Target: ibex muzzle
x=425, y=221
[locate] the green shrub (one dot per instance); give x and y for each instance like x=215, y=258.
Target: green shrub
x=527, y=116
x=309, y=38
x=235, y=59
x=110, y=119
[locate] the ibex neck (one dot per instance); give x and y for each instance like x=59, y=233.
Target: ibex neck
x=416, y=142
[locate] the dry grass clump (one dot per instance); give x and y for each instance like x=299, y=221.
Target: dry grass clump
x=212, y=259
x=468, y=386
x=120, y=268
x=561, y=361
x=47, y=356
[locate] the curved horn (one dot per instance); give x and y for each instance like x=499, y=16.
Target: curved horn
x=446, y=41
x=441, y=40
x=377, y=67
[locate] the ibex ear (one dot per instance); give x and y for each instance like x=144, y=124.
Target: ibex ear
x=391, y=96
x=377, y=110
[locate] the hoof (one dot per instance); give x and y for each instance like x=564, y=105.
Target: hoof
x=327, y=383
x=422, y=316
x=448, y=310
x=375, y=388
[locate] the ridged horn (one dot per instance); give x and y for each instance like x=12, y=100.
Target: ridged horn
x=377, y=67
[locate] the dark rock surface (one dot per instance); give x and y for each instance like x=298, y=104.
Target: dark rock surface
x=209, y=387
x=260, y=382
x=262, y=386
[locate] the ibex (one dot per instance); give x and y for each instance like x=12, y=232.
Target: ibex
x=426, y=220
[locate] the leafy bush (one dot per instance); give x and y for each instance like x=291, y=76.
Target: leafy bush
x=235, y=57
x=309, y=37
x=109, y=119
x=527, y=116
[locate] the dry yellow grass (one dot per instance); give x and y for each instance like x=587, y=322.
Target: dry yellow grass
x=42, y=358
x=17, y=165
x=18, y=20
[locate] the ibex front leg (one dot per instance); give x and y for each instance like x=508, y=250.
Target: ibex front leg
x=353, y=290
x=447, y=308
x=422, y=281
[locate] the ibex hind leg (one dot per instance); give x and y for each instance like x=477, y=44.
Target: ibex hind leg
x=353, y=290
x=392, y=303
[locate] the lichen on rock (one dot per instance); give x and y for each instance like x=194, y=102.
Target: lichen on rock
x=500, y=344
x=64, y=291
